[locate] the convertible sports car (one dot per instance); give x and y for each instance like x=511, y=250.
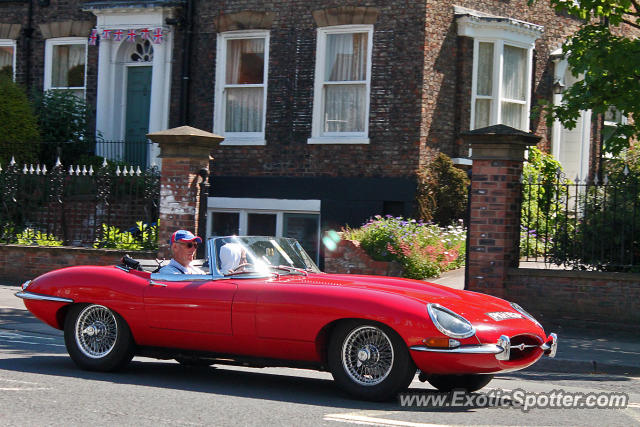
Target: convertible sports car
x=277, y=309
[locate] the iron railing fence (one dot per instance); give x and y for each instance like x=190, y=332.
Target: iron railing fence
x=111, y=206
x=582, y=225
x=135, y=153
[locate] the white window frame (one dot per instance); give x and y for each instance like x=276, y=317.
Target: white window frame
x=278, y=207
x=496, y=96
x=318, y=136
x=48, y=61
x=11, y=43
x=500, y=31
x=238, y=138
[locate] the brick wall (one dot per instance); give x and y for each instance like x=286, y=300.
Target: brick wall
x=394, y=121
x=577, y=296
x=57, y=11
x=350, y=258
x=19, y=263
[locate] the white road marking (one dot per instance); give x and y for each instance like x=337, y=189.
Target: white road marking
x=372, y=418
x=24, y=388
x=17, y=381
x=13, y=337
x=35, y=343
x=15, y=334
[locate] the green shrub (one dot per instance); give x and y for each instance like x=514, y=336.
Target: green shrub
x=442, y=191
x=603, y=236
x=31, y=237
x=65, y=118
x=543, y=214
x=423, y=249
x=145, y=237
x=19, y=135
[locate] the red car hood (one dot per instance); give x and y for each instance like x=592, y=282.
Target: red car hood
x=472, y=306
x=465, y=303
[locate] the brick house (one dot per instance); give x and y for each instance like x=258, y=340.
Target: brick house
x=328, y=109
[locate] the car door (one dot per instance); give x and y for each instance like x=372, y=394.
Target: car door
x=190, y=304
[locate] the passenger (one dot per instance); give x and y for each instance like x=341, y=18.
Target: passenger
x=183, y=248
x=233, y=257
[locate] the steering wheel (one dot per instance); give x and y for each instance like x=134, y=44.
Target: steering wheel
x=240, y=267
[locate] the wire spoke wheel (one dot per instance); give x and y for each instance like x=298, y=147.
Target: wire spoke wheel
x=96, y=331
x=367, y=355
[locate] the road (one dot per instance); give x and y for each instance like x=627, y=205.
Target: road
x=40, y=385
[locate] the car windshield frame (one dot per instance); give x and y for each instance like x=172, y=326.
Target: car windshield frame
x=266, y=255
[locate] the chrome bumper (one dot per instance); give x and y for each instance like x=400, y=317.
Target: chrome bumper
x=501, y=349
x=31, y=295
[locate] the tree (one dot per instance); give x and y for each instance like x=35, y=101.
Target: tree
x=19, y=136
x=608, y=58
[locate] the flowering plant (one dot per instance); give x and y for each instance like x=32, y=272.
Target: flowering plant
x=423, y=249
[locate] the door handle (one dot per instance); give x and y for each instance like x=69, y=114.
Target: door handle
x=153, y=283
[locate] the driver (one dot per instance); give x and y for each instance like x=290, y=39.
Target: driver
x=183, y=248
x=232, y=257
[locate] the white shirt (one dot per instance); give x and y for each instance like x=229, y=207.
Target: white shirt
x=174, y=267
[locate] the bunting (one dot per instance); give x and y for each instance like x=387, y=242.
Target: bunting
x=93, y=37
x=130, y=35
x=157, y=35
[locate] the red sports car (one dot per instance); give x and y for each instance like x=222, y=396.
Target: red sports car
x=273, y=307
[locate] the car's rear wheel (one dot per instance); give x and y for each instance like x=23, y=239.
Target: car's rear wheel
x=468, y=382
x=97, y=338
x=369, y=360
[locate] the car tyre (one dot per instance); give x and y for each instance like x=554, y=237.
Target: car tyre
x=369, y=360
x=97, y=338
x=467, y=382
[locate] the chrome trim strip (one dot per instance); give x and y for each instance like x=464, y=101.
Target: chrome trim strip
x=553, y=348
x=30, y=295
x=505, y=343
x=467, y=349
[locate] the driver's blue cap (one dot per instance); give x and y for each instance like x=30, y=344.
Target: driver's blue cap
x=184, y=235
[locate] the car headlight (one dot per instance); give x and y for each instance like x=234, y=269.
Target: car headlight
x=449, y=323
x=525, y=313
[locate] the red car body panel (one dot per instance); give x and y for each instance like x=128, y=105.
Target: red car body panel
x=282, y=317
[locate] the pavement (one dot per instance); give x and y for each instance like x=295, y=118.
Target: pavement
x=584, y=350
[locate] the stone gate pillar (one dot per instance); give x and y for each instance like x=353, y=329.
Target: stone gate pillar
x=495, y=200
x=185, y=153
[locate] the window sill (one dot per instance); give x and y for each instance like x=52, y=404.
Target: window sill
x=244, y=141
x=337, y=140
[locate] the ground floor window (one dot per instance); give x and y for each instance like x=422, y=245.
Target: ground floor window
x=299, y=219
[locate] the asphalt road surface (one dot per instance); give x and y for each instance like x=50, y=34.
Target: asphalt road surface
x=40, y=385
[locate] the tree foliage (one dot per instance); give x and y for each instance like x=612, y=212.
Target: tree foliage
x=608, y=58
x=442, y=191
x=19, y=136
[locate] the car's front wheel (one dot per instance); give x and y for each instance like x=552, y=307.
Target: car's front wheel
x=97, y=338
x=468, y=382
x=369, y=360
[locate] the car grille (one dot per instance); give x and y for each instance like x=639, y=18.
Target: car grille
x=523, y=345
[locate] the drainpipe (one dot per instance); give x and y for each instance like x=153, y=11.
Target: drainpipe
x=186, y=60
x=28, y=36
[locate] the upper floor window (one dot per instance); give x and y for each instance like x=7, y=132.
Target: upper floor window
x=502, y=67
x=8, y=58
x=342, y=85
x=241, y=87
x=66, y=64
x=501, y=85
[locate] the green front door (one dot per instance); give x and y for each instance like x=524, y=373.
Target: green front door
x=137, y=120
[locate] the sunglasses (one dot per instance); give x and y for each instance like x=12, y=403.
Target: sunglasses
x=189, y=245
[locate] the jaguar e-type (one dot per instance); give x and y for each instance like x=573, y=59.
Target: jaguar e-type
x=278, y=309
